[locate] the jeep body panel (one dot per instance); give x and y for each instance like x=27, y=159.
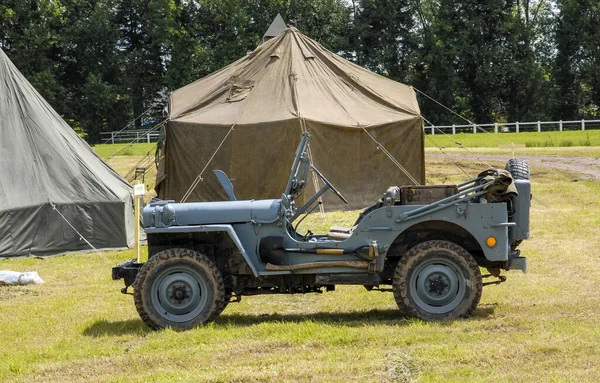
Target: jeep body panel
x=167, y=213
x=264, y=219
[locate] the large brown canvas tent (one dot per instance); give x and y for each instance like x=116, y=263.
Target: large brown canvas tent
x=47, y=171
x=257, y=109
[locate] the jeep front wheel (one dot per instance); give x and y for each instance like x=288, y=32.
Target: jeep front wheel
x=179, y=288
x=437, y=280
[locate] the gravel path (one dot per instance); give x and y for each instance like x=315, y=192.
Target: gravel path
x=588, y=167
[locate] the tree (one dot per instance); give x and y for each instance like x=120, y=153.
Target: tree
x=92, y=72
x=29, y=36
x=144, y=39
x=383, y=36
x=102, y=63
x=577, y=66
x=528, y=82
x=189, y=55
x=433, y=68
x=465, y=56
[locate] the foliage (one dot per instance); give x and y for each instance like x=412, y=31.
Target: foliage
x=108, y=64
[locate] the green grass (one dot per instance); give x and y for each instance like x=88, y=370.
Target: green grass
x=542, y=326
x=107, y=150
x=529, y=139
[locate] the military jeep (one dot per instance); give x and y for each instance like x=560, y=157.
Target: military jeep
x=426, y=244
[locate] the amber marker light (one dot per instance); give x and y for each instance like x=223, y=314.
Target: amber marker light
x=491, y=241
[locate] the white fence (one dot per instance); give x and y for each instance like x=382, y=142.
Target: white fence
x=129, y=136
x=515, y=127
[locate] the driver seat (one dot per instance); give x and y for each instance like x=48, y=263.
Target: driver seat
x=339, y=233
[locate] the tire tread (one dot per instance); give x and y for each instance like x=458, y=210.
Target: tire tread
x=156, y=322
x=401, y=278
x=518, y=168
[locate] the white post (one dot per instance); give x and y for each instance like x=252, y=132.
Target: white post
x=148, y=137
x=474, y=129
x=582, y=124
x=539, y=127
x=495, y=127
x=138, y=193
x=453, y=129
x=432, y=130
x=517, y=126
x=112, y=137
x=560, y=125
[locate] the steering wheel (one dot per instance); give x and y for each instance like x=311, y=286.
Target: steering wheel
x=329, y=185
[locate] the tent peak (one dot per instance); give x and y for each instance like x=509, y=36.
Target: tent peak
x=275, y=29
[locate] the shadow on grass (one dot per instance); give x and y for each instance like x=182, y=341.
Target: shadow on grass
x=484, y=310
x=356, y=318
x=352, y=319
x=102, y=327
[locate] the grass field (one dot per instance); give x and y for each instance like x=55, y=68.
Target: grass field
x=529, y=139
x=107, y=150
x=542, y=326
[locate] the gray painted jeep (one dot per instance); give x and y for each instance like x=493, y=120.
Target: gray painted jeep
x=426, y=244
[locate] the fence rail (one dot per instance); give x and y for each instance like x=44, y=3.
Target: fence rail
x=129, y=136
x=515, y=127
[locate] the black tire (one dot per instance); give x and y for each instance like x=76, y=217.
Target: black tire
x=179, y=288
x=437, y=280
x=518, y=169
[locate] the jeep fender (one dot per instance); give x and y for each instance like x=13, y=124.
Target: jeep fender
x=207, y=229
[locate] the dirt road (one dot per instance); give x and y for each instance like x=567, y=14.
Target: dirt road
x=588, y=167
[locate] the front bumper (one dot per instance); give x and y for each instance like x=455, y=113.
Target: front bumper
x=127, y=271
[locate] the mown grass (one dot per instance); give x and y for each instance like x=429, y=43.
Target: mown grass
x=139, y=149
x=542, y=326
x=529, y=139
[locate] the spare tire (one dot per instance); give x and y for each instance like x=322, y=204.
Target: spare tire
x=518, y=169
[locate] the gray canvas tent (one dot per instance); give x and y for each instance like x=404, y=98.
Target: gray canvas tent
x=288, y=85
x=44, y=164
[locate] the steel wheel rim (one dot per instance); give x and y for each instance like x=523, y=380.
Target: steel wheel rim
x=437, y=285
x=179, y=294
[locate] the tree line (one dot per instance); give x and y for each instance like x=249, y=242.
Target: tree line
x=103, y=63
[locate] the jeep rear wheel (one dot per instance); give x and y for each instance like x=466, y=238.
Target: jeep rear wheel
x=179, y=288
x=437, y=280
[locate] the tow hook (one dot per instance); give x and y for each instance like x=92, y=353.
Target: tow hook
x=496, y=274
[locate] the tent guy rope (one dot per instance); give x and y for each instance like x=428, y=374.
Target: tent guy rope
x=446, y=154
x=131, y=122
x=389, y=155
x=461, y=145
x=81, y=237
x=199, y=177
x=136, y=140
